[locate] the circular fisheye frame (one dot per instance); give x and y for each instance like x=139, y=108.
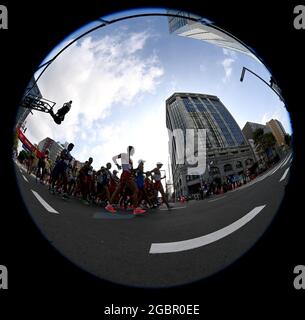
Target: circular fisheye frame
x=154, y=150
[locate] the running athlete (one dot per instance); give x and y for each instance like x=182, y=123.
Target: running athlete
x=115, y=178
x=85, y=174
x=103, y=182
x=41, y=166
x=73, y=179
x=158, y=185
x=114, y=181
x=152, y=194
x=30, y=162
x=142, y=195
x=126, y=181
x=60, y=169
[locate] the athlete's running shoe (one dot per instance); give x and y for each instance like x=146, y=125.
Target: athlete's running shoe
x=138, y=211
x=110, y=208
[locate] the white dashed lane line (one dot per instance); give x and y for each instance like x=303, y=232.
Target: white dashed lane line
x=286, y=161
x=44, y=203
x=284, y=175
x=25, y=178
x=178, y=246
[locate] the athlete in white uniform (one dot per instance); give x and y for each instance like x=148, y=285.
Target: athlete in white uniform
x=126, y=181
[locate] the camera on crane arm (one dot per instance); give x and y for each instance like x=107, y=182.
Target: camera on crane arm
x=60, y=114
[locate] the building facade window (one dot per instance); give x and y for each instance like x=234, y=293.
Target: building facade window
x=227, y=167
x=215, y=170
x=239, y=165
x=249, y=162
x=220, y=123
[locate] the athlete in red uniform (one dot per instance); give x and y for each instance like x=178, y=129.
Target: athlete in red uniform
x=126, y=181
x=158, y=185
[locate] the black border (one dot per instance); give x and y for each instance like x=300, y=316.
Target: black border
x=35, y=268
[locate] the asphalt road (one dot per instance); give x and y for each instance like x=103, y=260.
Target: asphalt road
x=158, y=249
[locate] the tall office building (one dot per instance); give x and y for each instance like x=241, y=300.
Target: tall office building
x=250, y=127
x=183, y=26
x=55, y=148
x=228, y=151
x=278, y=131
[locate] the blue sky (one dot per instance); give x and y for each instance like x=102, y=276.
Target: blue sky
x=120, y=76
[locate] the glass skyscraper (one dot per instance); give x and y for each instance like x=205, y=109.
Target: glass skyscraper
x=184, y=25
x=228, y=151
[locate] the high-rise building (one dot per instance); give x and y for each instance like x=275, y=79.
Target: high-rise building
x=184, y=26
x=250, y=127
x=22, y=113
x=55, y=148
x=228, y=151
x=278, y=131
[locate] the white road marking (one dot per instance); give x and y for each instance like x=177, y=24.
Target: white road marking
x=206, y=239
x=25, y=178
x=277, y=167
x=267, y=174
x=173, y=208
x=260, y=178
x=284, y=175
x=217, y=198
x=273, y=171
x=286, y=161
x=44, y=203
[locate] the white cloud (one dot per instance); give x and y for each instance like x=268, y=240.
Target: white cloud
x=280, y=114
x=96, y=74
x=147, y=133
x=227, y=63
x=106, y=78
x=230, y=53
x=202, y=68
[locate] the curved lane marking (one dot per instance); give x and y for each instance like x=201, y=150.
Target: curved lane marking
x=284, y=175
x=44, y=203
x=285, y=162
x=178, y=246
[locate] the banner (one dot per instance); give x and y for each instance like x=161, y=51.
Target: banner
x=28, y=145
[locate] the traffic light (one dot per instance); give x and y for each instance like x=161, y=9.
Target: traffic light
x=242, y=74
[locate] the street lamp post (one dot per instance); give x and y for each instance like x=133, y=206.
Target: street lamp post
x=272, y=85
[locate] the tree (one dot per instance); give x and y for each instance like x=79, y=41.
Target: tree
x=22, y=155
x=257, y=136
x=16, y=141
x=268, y=141
x=264, y=141
x=288, y=139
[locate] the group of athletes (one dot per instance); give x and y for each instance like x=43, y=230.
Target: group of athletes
x=136, y=189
